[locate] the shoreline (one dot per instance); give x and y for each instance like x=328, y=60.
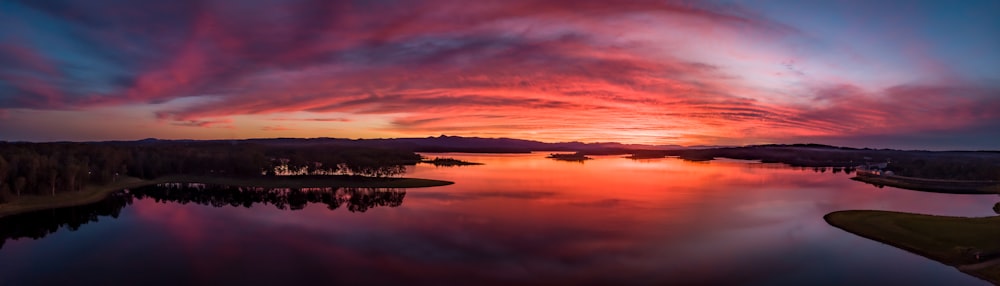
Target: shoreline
x=952, y=241
x=93, y=194
x=933, y=185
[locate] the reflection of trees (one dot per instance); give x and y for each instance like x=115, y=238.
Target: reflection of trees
x=36, y=225
x=356, y=199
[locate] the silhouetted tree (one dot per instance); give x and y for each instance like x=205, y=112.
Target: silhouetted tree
x=19, y=185
x=4, y=167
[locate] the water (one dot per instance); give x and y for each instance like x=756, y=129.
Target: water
x=518, y=219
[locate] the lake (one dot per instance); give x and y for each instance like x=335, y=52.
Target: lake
x=519, y=219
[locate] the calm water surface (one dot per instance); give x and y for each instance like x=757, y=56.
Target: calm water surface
x=519, y=219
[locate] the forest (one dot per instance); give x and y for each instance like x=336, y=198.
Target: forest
x=953, y=165
x=51, y=168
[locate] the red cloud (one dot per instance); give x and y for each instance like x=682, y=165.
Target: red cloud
x=276, y=128
x=204, y=123
x=538, y=69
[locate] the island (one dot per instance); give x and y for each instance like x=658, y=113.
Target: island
x=448, y=162
x=569, y=157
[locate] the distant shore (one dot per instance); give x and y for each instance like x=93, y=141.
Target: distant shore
x=92, y=194
x=933, y=185
x=972, y=245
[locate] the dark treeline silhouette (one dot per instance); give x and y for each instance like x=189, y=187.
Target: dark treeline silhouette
x=36, y=225
x=569, y=157
x=449, y=162
x=954, y=165
x=49, y=168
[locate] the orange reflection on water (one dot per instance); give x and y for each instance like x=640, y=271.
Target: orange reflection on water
x=526, y=219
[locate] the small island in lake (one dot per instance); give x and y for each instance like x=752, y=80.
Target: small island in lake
x=448, y=162
x=571, y=157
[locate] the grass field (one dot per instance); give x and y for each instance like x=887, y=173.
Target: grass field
x=92, y=194
x=932, y=185
x=970, y=244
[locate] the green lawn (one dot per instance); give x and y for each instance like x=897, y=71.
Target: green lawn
x=953, y=241
x=933, y=185
x=93, y=194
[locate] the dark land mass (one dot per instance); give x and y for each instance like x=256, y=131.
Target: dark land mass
x=952, y=165
x=932, y=185
x=449, y=162
x=36, y=176
x=946, y=165
x=972, y=245
x=573, y=157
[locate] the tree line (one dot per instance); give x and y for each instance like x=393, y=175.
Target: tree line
x=51, y=168
x=954, y=165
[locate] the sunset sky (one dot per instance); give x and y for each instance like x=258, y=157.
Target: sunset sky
x=896, y=74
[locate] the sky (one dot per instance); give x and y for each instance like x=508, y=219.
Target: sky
x=884, y=74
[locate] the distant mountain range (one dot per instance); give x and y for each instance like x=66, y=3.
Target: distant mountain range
x=444, y=143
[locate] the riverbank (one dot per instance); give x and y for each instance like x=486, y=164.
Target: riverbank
x=971, y=245
x=92, y=194
x=933, y=185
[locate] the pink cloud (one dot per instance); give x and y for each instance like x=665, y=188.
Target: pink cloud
x=649, y=71
x=317, y=119
x=220, y=123
x=276, y=128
